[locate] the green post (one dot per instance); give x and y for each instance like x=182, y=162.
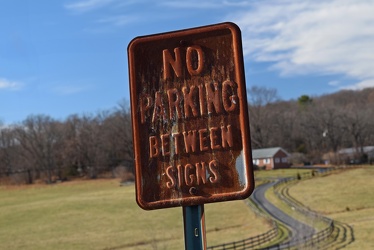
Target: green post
x=194, y=227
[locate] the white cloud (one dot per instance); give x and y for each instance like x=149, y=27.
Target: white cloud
x=333, y=83
x=318, y=37
x=87, y=5
x=196, y=4
x=118, y=20
x=361, y=85
x=70, y=89
x=112, y=20
x=9, y=85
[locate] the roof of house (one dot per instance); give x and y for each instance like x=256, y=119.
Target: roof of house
x=266, y=152
x=367, y=149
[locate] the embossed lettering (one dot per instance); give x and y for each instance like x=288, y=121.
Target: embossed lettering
x=145, y=105
x=202, y=100
x=189, y=103
x=201, y=173
x=200, y=60
x=213, y=138
x=153, y=146
x=197, y=174
x=165, y=138
x=189, y=178
x=213, y=98
x=170, y=174
x=159, y=109
x=177, y=143
x=190, y=141
x=226, y=133
x=180, y=175
x=174, y=103
x=229, y=102
x=168, y=61
x=176, y=62
x=203, y=139
x=213, y=169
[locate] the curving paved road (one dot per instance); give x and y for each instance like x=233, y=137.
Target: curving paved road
x=299, y=230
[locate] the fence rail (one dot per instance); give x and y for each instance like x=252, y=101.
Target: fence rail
x=249, y=242
x=335, y=233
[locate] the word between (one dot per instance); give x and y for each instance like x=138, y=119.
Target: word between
x=192, y=141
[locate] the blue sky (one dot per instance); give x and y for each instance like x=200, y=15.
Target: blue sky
x=69, y=57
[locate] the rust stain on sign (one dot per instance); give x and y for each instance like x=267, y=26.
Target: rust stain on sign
x=189, y=117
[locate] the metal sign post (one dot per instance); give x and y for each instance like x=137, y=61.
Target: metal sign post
x=194, y=227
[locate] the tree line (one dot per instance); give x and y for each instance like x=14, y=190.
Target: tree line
x=313, y=129
x=41, y=147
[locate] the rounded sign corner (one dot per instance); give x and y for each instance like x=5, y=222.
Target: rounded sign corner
x=233, y=26
x=133, y=43
x=142, y=204
x=248, y=190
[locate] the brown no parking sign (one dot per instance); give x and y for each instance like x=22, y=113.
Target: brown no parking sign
x=189, y=117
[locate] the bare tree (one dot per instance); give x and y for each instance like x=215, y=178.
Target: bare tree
x=284, y=124
x=39, y=137
x=7, y=147
x=89, y=139
x=97, y=143
x=260, y=118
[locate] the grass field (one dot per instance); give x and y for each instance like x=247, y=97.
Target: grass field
x=100, y=214
x=277, y=173
x=347, y=197
x=317, y=224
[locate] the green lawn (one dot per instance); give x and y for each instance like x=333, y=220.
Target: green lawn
x=100, y=214
x=277, y=173
x=347, y=197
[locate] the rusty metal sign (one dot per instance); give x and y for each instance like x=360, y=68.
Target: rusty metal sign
x=189, y=117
